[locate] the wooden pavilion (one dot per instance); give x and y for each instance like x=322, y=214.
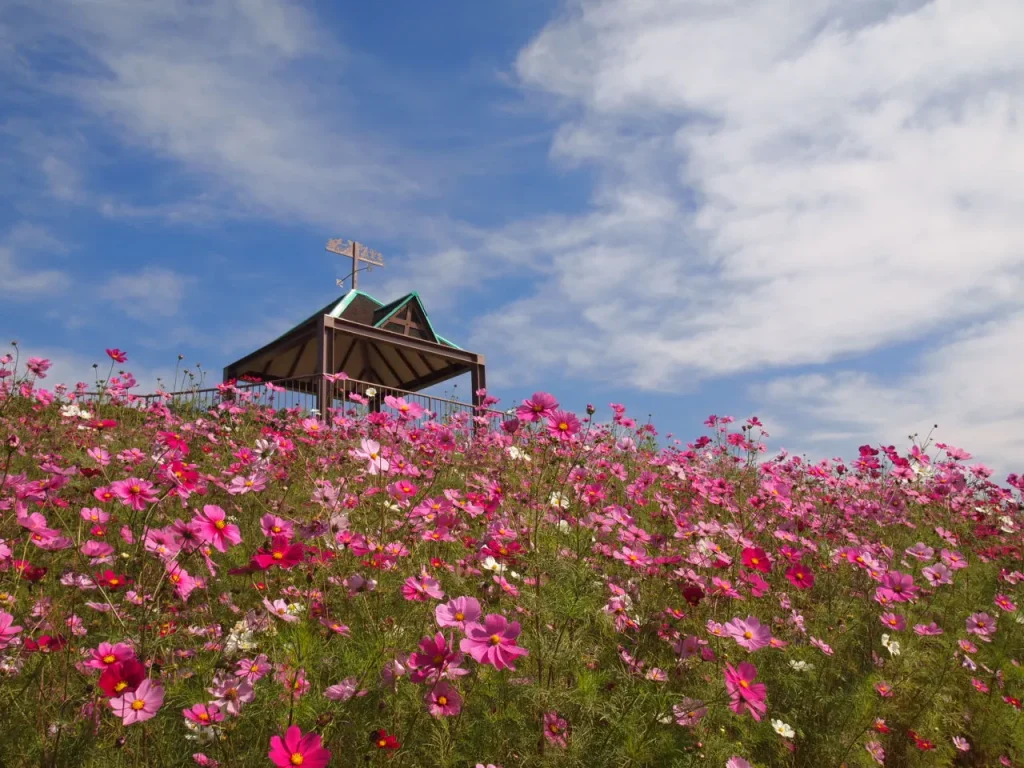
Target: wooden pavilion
x=393, y=346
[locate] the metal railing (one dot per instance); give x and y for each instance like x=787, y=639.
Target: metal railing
x=302, y=394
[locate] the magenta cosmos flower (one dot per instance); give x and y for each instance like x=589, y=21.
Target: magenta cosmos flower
x=134, y=493
x=744, y=693
x=296, y=749
x=443, y=701
x=106, y=654
x=555, y=729
x=538, y=407
x=215, y=530
x=493, y=642
x=563, y=425
x=139, y=705
x=458, y=612
x=203, y=714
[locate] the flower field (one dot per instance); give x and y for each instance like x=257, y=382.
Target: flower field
x=247, y=586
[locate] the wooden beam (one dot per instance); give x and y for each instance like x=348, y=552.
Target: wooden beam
x=410, y=366
x=345, y=357
x=406, y=342
x=391, y=370
x=295, y=362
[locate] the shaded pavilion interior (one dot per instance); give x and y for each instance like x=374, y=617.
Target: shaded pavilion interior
x=392, y=346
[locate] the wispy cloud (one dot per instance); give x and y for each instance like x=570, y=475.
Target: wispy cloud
x=152, y=292
x=217, y=88
x=21, y=246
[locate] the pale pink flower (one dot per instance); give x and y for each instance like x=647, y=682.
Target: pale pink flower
x=139, y=705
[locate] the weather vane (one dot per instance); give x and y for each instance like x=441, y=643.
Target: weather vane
x=357, y=252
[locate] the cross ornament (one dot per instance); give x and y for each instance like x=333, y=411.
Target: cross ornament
x=357, y=252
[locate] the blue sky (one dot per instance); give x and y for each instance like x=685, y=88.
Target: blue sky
x=806, y=213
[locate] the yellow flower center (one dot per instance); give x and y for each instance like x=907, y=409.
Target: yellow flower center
x=297, y=759
x=495, y=639
x=109, y=659
x=442, y=700
x=563, y=426
x=279, y=555
x=120, y=686
x=744, y=684
x=138, y=704
x=382, y=743
x=204, y=717
x=460, y=616
x=220, y=525
x=136, y=489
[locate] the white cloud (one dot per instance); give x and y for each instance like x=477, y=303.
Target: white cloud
x=20, y=282
x=780, y=184
x=246, y=97
x=152, y=291
x=968, y=386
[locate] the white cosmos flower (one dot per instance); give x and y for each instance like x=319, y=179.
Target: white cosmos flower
x=800, y=666
x=892, y=646
x=516, y=454
x=784, y=730
x=559, y=499
x=490, y=564
x=370, y=391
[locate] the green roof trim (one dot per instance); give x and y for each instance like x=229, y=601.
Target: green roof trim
x=445, y=341
x=392, y=310
x=347, y=299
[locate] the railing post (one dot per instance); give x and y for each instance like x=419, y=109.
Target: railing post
x=321, y=384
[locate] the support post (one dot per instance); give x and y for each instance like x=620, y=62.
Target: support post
x=323, y=397
x=478, y=381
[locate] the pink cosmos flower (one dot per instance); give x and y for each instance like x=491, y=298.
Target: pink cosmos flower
x=893, y=621
x=556, y=729
x=435, y=659
x=139, y=705
x=938, y=574
x=106, y=654
x=744, y=693
x=203, y=714
x=751, y=634
x=443, y=700
x=457, y=612
x=344, y=690
x=928, y=629
x=422, y=588
x=230, y=693
x=538, y=407
x=215, y=530
x=876, y=751
x=295, y=749
x=279, y=608
x=800, y=577
x=1005, y=603
x=563, y=425
x=253, y=669
x=982, y=625
x=134, y=493
x=737, y=762
x=689, y=712
x=369, y=451
x=272, y=526
x=8, y=631
x=493, y=642
x=898, y=587
x=406, y=411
